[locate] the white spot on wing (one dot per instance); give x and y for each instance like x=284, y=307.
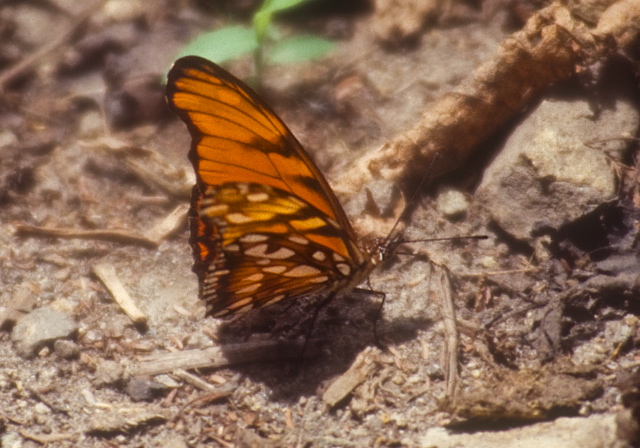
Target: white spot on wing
x=238, y=218
x=240, y=303
x=260, y=251
x=344, y=269
x=255, y=277
x=254, y=238
x=298, y=239
x=257, y=197
x=276, y=299
x=320, y=279
x=248, y=289
x=302, y=271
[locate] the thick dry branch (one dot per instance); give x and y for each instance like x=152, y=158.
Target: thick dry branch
x=231, y=354
x=553, y=46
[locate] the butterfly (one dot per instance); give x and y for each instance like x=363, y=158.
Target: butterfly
x=265, y=225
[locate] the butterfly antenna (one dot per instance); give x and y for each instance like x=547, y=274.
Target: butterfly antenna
x=387, y=240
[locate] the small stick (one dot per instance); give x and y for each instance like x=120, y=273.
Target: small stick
x=448, y=313
x=107, y=274
x=226, y=355
x=194, y=380
x=361, y=368
x=169, y=224
x=122, y=236
x=45, y=439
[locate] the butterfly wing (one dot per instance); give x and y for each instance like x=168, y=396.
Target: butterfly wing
x=266, y=226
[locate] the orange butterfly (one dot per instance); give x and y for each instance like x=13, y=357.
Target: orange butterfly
x=265, y=225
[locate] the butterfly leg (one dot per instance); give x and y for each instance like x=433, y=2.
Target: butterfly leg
x=377, y=317
x=316, y=312
x=378, y=314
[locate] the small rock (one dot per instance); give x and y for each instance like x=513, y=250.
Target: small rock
x=40, y=328
x=108, y=373
x=41, y=408
x=123, y=421
x=11, y=440
x=167, y=381
x=66, y=349
x=434, y=371
x=174, y=442
x=452, y=203
x=142, y=388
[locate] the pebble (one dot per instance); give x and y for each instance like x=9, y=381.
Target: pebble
x=108, y=373
x=40, y=328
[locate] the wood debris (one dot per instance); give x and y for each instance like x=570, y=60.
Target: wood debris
x=107, y=274
x=170, y=224
x=364, y=365
x=226, y=355
x=122, y=236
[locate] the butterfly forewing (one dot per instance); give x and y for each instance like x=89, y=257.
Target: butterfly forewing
x=265, y=224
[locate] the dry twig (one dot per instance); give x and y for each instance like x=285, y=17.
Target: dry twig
x=451, y=338
x=364, y=365
x=107, y=275
x=45, y=439
x=121, y=236
x=170, y=224
x=227, y=355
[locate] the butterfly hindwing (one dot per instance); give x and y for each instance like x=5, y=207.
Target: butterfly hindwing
x=265, y=224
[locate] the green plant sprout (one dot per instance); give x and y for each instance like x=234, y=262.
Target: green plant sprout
x=262, y=39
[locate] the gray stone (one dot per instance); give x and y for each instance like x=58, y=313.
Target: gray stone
x=596, y=431
x=141, y=388
x=66, y=349
x=40, y=328
x=550, y=172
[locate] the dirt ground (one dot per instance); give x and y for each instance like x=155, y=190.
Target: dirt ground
x=533, y=328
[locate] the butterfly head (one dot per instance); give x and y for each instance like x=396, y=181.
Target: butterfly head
x=380, y=249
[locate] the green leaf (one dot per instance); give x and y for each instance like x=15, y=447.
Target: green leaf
x=271, y=6
x=299, y=48
x=262, y=17
x=261, y=21
x=222, y=44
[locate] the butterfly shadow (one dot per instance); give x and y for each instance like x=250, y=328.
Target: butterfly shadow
x=292, y=366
